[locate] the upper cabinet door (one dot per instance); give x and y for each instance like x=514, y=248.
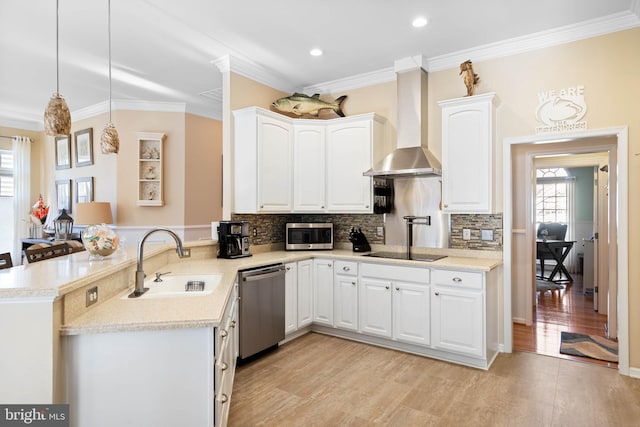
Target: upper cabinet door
x=468, y=155
x=349, y=151
x=274, y=165
x=309, y=163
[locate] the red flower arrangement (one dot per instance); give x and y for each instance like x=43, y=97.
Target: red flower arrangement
x=40, y=210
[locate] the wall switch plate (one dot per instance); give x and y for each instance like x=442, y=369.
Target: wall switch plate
x=92, y=296
x=380, y=231
x=466, y=234
x=486, y=234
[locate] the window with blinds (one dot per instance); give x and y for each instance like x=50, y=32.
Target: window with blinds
x=6, y=173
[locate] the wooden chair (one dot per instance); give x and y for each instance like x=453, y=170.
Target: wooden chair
x=35, y=254
x=5, y=260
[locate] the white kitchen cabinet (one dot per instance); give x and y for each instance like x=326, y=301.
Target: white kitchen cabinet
x=345, y=302
x=184, y=375
x=457, y=312
x=299, y=165
x=411, y=313
x=349, y=154
x=394, y=302
x=262, y=162
x=305, y=293
x=309, y=168
x=323, y=291
x=468, y=154
x=375, y=306
x=290, y=297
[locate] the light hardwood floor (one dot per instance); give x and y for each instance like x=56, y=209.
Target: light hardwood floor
x=318, y=380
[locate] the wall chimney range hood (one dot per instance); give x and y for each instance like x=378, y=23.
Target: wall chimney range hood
x=412, y=157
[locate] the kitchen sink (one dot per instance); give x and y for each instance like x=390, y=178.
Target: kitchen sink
x=180, y=285
x=403, y=255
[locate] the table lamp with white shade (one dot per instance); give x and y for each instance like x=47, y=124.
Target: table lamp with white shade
x=98, y=239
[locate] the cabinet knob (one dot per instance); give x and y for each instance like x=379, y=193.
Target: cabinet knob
x=224, y=366
x=367, y=207
x=233, y=324
x=223, y=333
x=446, y=205
x=288, y=268
x=386, y=287
x=353, y=283
x=457, y=279
x=321, y=207
x=437, y=294
x=224, y=398
x=397, y=288
x=345, y=268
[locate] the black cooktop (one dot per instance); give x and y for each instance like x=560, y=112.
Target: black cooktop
x=403, y=255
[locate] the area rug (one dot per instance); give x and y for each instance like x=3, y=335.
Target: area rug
x=543, y=286
x=591, y=346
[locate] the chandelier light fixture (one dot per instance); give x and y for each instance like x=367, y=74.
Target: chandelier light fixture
x=109, y=141
x=57, y=118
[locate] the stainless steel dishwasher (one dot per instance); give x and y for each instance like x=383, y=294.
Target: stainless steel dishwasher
x=261, y=319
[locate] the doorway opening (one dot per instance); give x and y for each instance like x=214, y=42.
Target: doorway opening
x=520, y=156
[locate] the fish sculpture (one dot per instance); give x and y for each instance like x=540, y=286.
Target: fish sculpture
x=300, y=104
x=470, y=78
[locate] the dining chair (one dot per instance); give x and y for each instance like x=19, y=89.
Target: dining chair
x=5, y=260
x=40, y=252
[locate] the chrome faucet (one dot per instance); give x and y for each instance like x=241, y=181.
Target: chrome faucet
x=411, y=220
x=182, y=253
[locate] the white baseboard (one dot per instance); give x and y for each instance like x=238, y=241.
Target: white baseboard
x=634, y=372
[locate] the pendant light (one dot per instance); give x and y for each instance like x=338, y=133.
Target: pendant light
x=109, y=141
x=57, y=119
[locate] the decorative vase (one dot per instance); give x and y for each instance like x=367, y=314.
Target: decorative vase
x=100, y=241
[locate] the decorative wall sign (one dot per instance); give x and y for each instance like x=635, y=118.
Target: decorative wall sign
x=562, y=110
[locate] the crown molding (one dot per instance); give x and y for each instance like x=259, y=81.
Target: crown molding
x=253, y=71
x=583, y=30
x=23, y=124
x=128, y=104
x=562, y=35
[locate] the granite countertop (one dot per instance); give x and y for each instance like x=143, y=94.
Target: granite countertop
x=54, y=278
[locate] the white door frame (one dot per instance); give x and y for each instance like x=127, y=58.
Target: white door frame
x=621, y=133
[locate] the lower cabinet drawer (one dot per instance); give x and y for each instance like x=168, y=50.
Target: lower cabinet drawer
x=462, y=279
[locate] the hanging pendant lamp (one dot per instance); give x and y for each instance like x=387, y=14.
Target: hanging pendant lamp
x=109, y=141
x=57, y=118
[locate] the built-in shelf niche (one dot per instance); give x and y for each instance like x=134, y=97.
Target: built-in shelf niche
x=150, y=173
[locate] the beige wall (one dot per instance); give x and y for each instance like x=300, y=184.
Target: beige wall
x=248, y=93
x=604, y=65
x=203, y=173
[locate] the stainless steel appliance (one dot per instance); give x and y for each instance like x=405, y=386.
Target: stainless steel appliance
x=233, y=239
x=309, y=235
x=261, y=292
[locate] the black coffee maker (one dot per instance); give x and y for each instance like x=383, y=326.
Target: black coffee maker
x=233, y=239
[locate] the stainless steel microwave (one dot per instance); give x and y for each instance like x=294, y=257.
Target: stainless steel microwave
x=309, y=236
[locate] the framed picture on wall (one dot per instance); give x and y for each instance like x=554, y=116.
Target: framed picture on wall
x=84, y=190
x=63, y=194
x=63, y=152
x=84, y=147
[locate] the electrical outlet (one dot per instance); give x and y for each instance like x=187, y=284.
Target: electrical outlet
x=255, y=232
x=466, y=234
x=486, y=234
x=92, y=296
x=380, y=231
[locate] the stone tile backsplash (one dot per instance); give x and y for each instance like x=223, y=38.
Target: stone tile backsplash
x=270, y=228
x=476, y=223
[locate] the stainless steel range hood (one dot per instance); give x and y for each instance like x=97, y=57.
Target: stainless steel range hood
x=412, y=157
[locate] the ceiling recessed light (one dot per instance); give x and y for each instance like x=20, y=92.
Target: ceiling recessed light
x=419, y=22
x=315, y=52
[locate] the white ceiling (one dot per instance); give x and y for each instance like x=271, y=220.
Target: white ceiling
x=162, y=50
